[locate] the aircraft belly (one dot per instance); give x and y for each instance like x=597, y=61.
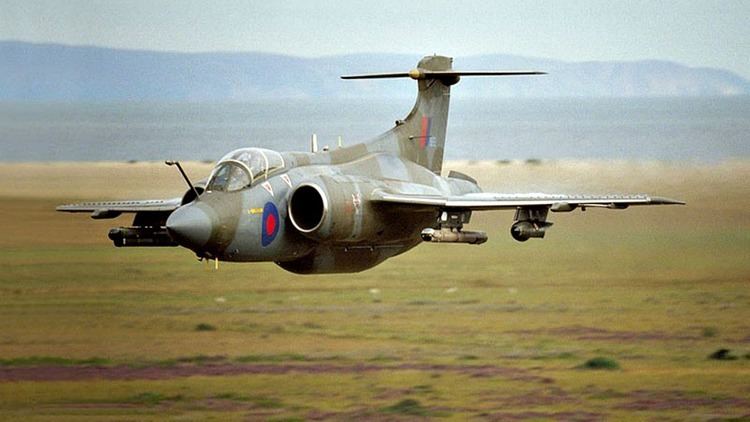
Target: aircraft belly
x=337, y=258
x=398, y=237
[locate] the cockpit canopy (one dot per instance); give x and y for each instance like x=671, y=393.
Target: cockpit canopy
x=243, y=167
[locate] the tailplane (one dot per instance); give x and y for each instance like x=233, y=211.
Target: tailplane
x=420, y=137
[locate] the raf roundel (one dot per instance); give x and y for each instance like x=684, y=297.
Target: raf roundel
x=269, y=224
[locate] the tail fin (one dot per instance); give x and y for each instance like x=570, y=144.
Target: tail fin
x=420, y=137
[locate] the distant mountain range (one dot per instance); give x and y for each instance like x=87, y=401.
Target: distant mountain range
x=53, y=72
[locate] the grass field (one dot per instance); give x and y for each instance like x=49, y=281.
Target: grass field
x=502, y=331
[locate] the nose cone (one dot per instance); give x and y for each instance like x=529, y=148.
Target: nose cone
x=190, y=226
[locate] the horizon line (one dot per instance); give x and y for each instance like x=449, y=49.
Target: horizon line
x=359, y=53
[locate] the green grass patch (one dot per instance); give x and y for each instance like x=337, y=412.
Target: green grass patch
x=151, y=399
x=709, y=332
x=201, y=359
x=191, y=360
x=204, y=327
x=601, y=363
x=266, y=402
x=231, y=396
x=423, y=388
x=722, y=354
x=468, y=357
x=53, y=361
x=282, y=357
x=384, y=358
x=555, y=356
x=607, y=394
x=262, y=402
x=408, y=407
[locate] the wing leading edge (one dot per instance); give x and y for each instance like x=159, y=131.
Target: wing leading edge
x=496, y=201
x=111, y=209
x=530, y=219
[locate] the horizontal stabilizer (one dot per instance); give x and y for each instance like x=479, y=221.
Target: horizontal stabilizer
x=418, y=74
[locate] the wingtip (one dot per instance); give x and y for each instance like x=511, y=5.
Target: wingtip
x=666, y=201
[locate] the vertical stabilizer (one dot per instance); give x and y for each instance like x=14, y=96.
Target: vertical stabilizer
x=420, y=137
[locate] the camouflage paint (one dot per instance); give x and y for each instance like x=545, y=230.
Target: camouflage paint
x=371, y=200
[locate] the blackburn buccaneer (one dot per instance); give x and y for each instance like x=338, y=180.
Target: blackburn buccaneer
x=346, y=209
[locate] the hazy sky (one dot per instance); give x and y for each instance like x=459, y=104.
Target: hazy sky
x=695, y=32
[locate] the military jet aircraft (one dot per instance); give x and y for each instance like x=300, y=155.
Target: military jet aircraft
x=346, y=209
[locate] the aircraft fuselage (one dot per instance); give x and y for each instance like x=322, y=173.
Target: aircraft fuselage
x=343, y=232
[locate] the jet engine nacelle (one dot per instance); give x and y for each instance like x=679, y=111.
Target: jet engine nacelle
x=333, y=210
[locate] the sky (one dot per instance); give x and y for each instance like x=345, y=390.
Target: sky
x=694, y=32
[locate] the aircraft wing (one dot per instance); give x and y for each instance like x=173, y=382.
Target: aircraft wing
x=498, y=201
x=111, y=209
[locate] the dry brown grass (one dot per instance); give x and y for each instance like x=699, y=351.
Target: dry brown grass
x=718, y=194
x=100, y=180
x=724, y=181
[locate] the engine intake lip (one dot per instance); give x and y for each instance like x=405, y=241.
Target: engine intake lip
x=189, y=196
x=299, y=205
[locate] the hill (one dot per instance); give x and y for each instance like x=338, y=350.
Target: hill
x=53, y=72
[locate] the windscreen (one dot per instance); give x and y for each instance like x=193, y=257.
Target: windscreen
x=228, y=177
x=261, y=162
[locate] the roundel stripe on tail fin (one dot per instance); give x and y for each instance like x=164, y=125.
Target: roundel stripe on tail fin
x=424, y=136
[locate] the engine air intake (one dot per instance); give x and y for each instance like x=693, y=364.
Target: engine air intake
x=307, y=208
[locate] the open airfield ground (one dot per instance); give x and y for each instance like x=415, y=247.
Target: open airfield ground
x=502, y=331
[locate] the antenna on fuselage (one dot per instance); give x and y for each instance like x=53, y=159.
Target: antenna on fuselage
x=314, y=143
x=340, y=142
